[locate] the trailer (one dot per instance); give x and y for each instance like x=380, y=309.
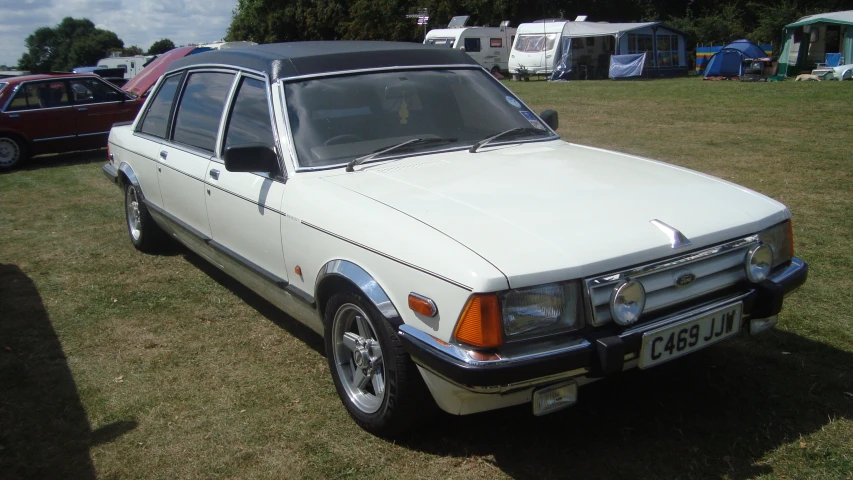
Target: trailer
x=489, y=46
x=130, y=65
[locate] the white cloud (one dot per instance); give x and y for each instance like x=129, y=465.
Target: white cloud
x=136, y=22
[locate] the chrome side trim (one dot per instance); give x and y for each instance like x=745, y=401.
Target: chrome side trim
x=389, y=257
x=676, y=238
x=93, y=134
x=257, y=269
x=65, y=137
x=363, y=281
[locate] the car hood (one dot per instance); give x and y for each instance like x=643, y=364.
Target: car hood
x=550, y=211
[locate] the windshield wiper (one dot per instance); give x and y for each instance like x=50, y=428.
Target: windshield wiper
x=486, y=141
x=410, y=143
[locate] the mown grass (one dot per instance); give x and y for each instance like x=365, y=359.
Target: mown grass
x=115, y=364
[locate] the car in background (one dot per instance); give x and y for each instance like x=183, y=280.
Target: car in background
x=141, y=84
x=448, y=245
x=42, y=114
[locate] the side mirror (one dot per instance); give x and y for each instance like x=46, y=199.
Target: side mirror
x=252, y=157
x=551, y=118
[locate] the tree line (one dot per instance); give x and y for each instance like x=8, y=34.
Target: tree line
x=77, y=43
x=705, y=21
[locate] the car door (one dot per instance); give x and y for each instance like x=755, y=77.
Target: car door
x=42, y=113
x=244, y=208
x=184, y=159
x=98, y=106
x=152, y=130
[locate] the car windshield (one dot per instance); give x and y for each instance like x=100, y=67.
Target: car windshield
x=337, y=119
x=535, y=43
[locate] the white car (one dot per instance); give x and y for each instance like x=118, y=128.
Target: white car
x=438, y=233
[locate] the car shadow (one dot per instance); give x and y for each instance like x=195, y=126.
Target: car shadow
x=82, y=157
x=712, y=414
x=44, y=430
x=264, y=307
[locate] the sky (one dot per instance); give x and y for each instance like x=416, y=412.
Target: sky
x=136, y=22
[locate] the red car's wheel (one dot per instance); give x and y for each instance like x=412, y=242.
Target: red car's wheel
x=12, y=152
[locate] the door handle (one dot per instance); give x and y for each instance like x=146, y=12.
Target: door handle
x=82, y=109
x=164, y=154
x=14, y=115
x=214, y=173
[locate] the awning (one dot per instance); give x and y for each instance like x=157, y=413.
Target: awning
x=843, y=18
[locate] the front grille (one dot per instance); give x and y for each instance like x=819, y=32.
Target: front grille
x=715, y=269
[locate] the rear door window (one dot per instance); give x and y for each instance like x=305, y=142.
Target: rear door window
x=92, y=90
x=157, y=118
x=249, y=121
x=200, y=111
x=32, y=96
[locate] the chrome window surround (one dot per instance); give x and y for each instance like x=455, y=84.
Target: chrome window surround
x=666, y=264
x=295, y=160
x=239, y=72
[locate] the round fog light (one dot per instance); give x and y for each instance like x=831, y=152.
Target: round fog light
x=627, y=302
x=758, y=263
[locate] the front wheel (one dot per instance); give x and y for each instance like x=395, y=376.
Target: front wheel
x=145, y=235
x=375, y=378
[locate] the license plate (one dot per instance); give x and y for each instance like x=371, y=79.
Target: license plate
x=690, y=335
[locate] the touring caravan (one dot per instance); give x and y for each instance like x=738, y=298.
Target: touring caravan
x=586, y=47
x=489, y=46
x=130, y=65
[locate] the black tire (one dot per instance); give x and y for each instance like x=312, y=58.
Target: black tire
x=406, y=401
x=13, y=151
x=144, y=233
x=495, y=69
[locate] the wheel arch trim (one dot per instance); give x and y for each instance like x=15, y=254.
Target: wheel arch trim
x=127, y=172
x=360, y=280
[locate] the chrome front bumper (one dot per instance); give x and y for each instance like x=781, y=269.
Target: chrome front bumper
x=597, y=353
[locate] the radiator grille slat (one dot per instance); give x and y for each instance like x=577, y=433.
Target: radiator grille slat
x=715, y=269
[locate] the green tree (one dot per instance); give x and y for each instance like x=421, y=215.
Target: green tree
x=73, y=42
x=161, y=46
x=131, y=51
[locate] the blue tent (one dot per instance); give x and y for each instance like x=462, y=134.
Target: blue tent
x=728, y=62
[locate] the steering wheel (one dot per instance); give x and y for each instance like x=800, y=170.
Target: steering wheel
x=345, y=138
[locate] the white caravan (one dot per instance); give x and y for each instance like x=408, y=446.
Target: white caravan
x=489, y=46
x=130, y=65
x=539, y=46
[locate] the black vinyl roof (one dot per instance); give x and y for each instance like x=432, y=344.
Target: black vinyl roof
x=285, y=60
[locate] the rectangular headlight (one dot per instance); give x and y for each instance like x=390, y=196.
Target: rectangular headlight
x=780, y=239
x=541, y=310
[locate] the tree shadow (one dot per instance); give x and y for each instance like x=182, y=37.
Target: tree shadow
x=712, y=414
x=44, y=430
x=82, y=157
x=264, y=307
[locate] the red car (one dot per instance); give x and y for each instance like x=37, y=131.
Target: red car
x=57, y=113
x=143, y=81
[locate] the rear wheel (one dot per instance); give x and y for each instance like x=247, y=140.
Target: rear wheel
x=375, y=378
x=145, y=235
x=13, y=151
x=496, y=69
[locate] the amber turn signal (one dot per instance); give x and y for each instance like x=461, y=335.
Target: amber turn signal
x=422, y=305
x=480, y=322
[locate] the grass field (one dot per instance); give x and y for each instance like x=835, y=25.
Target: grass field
x=115, y=364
